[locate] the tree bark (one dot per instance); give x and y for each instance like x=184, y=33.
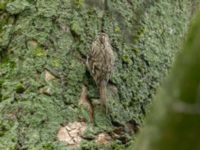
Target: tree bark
x=174, y=120
x=44, y=45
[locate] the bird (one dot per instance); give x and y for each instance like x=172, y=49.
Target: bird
x=100, y=63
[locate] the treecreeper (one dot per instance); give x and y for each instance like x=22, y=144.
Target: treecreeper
x=100, y=63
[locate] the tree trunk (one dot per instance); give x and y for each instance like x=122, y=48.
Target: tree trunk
x=44, y=46
x=173, y=123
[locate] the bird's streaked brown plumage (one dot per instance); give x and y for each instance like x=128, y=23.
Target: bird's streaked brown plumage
x=100, y=63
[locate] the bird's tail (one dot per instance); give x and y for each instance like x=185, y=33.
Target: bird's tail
x=102, y=92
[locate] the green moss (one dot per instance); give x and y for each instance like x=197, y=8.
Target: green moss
x=20, y=88
x=5, y=19
x=126, y=59
x=5, y=35
x=117, y=29
x=75, y=76
x=79, y=3
x=40, y=52
x=17, y=6
x=58, y=35
x=56, y=63
x=3, y=4
x=76, y=27
x=116, y=146
x=173, y=122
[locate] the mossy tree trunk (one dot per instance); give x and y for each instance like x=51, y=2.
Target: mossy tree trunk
x=175, y=118
x=44, y=45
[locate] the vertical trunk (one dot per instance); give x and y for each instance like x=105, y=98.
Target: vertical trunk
x=173, y=123
x=44, y=45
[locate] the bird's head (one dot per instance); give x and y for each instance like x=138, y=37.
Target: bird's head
x=103, y=38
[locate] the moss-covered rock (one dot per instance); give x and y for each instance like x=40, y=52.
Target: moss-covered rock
x=56, y=36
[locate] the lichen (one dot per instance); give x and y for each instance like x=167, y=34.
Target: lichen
x=57, y=35
x=17, y=6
